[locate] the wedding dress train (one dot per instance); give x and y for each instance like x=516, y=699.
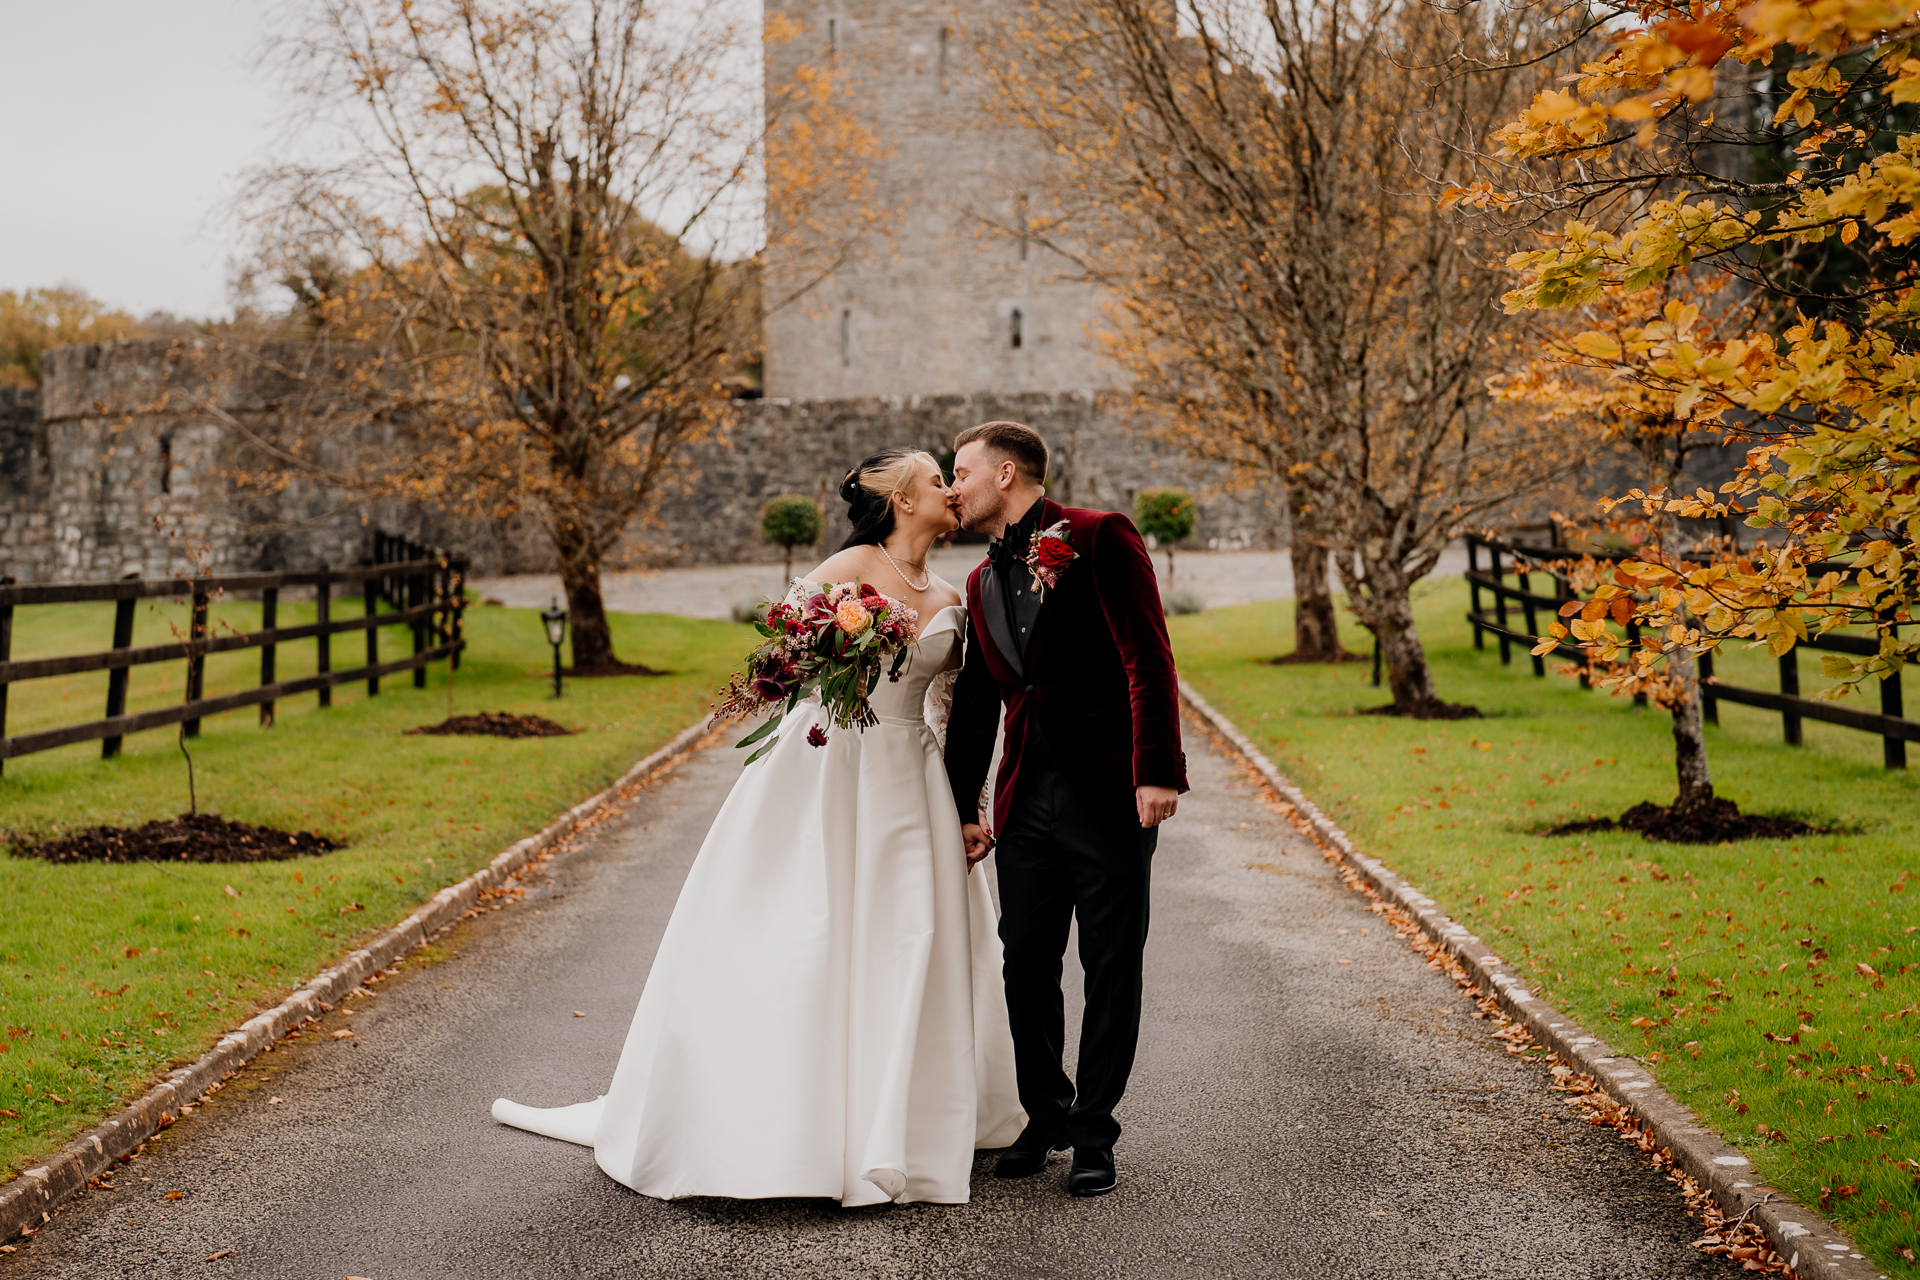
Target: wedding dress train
x=825, y=1015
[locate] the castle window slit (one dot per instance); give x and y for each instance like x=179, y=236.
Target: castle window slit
x=1016, y=334
x=846, y=339
x=166, y=462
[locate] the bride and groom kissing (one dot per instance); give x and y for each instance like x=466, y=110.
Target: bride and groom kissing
x=836, y=1008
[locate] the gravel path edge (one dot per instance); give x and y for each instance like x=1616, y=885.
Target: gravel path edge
x=1813, y=1248
x=29, y=1201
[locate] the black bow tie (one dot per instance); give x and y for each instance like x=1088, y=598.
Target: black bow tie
x=1006, y=551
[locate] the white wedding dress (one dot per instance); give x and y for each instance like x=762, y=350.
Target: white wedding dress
x=825, y=1015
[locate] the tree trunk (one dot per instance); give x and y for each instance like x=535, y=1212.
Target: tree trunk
x=1689, y=735
x=1316, y=637
x=1401, y=652
x=586, y=611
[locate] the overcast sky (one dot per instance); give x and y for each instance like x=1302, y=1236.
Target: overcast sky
x=126, y=122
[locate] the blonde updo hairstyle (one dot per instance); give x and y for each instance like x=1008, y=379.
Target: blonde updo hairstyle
x=869, y=489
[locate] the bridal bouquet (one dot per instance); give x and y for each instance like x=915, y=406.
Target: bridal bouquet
x=834, y=641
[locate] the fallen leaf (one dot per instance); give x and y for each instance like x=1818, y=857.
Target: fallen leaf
x=578, y=1014
x=54, y=1097
x=176, y=1195
x=1865, y=971
x=341, y=1035
x=6, y=1248
x=1343, y=962
x=11, y=1115
x=215, y=1257
x=232, y=892
x=274, y=1102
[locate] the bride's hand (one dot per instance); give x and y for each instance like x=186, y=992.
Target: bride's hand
x=979, y=843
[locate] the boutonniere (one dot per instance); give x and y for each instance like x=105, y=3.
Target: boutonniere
x=1048, y=554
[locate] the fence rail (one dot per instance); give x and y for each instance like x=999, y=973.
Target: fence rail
x=425, y=593
x=1525, y=562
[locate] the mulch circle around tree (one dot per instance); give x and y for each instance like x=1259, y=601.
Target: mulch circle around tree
x=496, y=724
x=1295, y=660
x=1714, y=822
x=191, y=837
x=1435, y=710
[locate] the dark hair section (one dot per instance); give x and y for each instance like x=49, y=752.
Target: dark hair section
x=871, y=513
x=1011, y=440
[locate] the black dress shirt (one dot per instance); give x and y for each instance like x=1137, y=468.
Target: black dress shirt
x=1007, y=590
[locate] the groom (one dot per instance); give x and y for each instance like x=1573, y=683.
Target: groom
x=1077, y=650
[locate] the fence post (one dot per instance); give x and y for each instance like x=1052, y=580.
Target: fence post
x=1894, y=749
x=1473, y=590
x=117, y=677
x=458, y=585
x=269, y=619
x=196, y=655
x=417, y=596
x=371, y=593
x=1533, y=629
x=1500, y=608
x=323, y=614
x=1790, y=685
x=6, y=655
x=1709, y=705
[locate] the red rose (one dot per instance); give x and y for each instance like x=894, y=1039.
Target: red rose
x=816, y=737
x=1053, y=553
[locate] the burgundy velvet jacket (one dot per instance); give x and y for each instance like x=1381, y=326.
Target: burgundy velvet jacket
x=1098, y=697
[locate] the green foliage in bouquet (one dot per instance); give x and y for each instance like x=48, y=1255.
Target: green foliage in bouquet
x=834, y=642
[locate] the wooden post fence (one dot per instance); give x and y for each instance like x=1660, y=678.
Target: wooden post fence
x=1890, y=725
x=434, y=593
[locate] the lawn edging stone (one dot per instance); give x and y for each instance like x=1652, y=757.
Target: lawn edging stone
x=29, y=1201
x=1813, y=1248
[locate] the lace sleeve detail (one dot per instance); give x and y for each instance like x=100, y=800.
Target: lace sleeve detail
x=939, y=705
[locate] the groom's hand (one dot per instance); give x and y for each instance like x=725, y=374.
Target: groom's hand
x=1156, y=804
x=979, y=842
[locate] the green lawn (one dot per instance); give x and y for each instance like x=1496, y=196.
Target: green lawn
x=112, y=973
x=1774, y=986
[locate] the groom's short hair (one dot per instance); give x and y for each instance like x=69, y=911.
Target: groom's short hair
x=1010, y=440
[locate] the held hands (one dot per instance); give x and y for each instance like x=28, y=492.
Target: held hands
x=1156, y=804
x=979, y=840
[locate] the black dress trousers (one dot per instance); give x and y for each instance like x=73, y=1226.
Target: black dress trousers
x=1057, y=861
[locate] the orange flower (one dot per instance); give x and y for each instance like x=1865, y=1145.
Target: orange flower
x=852, y=617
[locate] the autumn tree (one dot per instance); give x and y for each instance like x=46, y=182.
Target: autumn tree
x=1663, y=149
x=1578, y=380
x=34, y=320
x=533, y=229
x=1253, y=186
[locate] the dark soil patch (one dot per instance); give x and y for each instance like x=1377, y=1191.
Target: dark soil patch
x=196, y=837
x=496, y=724
x=1295, y=660
x=1715, y=822
x=614, y=669
x=1435, y=710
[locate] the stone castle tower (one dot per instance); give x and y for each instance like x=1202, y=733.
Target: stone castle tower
x=949, y=306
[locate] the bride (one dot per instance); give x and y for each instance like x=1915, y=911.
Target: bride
x=825, y=1014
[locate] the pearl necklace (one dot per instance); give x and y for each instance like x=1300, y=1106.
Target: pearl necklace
x=903, y=573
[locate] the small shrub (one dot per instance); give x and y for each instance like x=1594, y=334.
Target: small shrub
x=1166, y=516
x=748, y=610
x=1183, y=602
x=790, y=521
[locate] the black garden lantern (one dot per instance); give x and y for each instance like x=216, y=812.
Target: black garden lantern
x=555, y=620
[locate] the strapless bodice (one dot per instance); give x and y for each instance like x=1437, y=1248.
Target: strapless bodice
x=937, y=650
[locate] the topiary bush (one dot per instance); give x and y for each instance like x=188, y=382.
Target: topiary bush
x=790, y=521
x=1166, y=516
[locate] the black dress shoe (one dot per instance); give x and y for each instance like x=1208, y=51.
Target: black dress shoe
x=1093, y=1173
x=1028, y=1154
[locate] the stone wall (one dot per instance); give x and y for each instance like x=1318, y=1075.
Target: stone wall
x=939, y=302
x=127, y=461
x=24, y=479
